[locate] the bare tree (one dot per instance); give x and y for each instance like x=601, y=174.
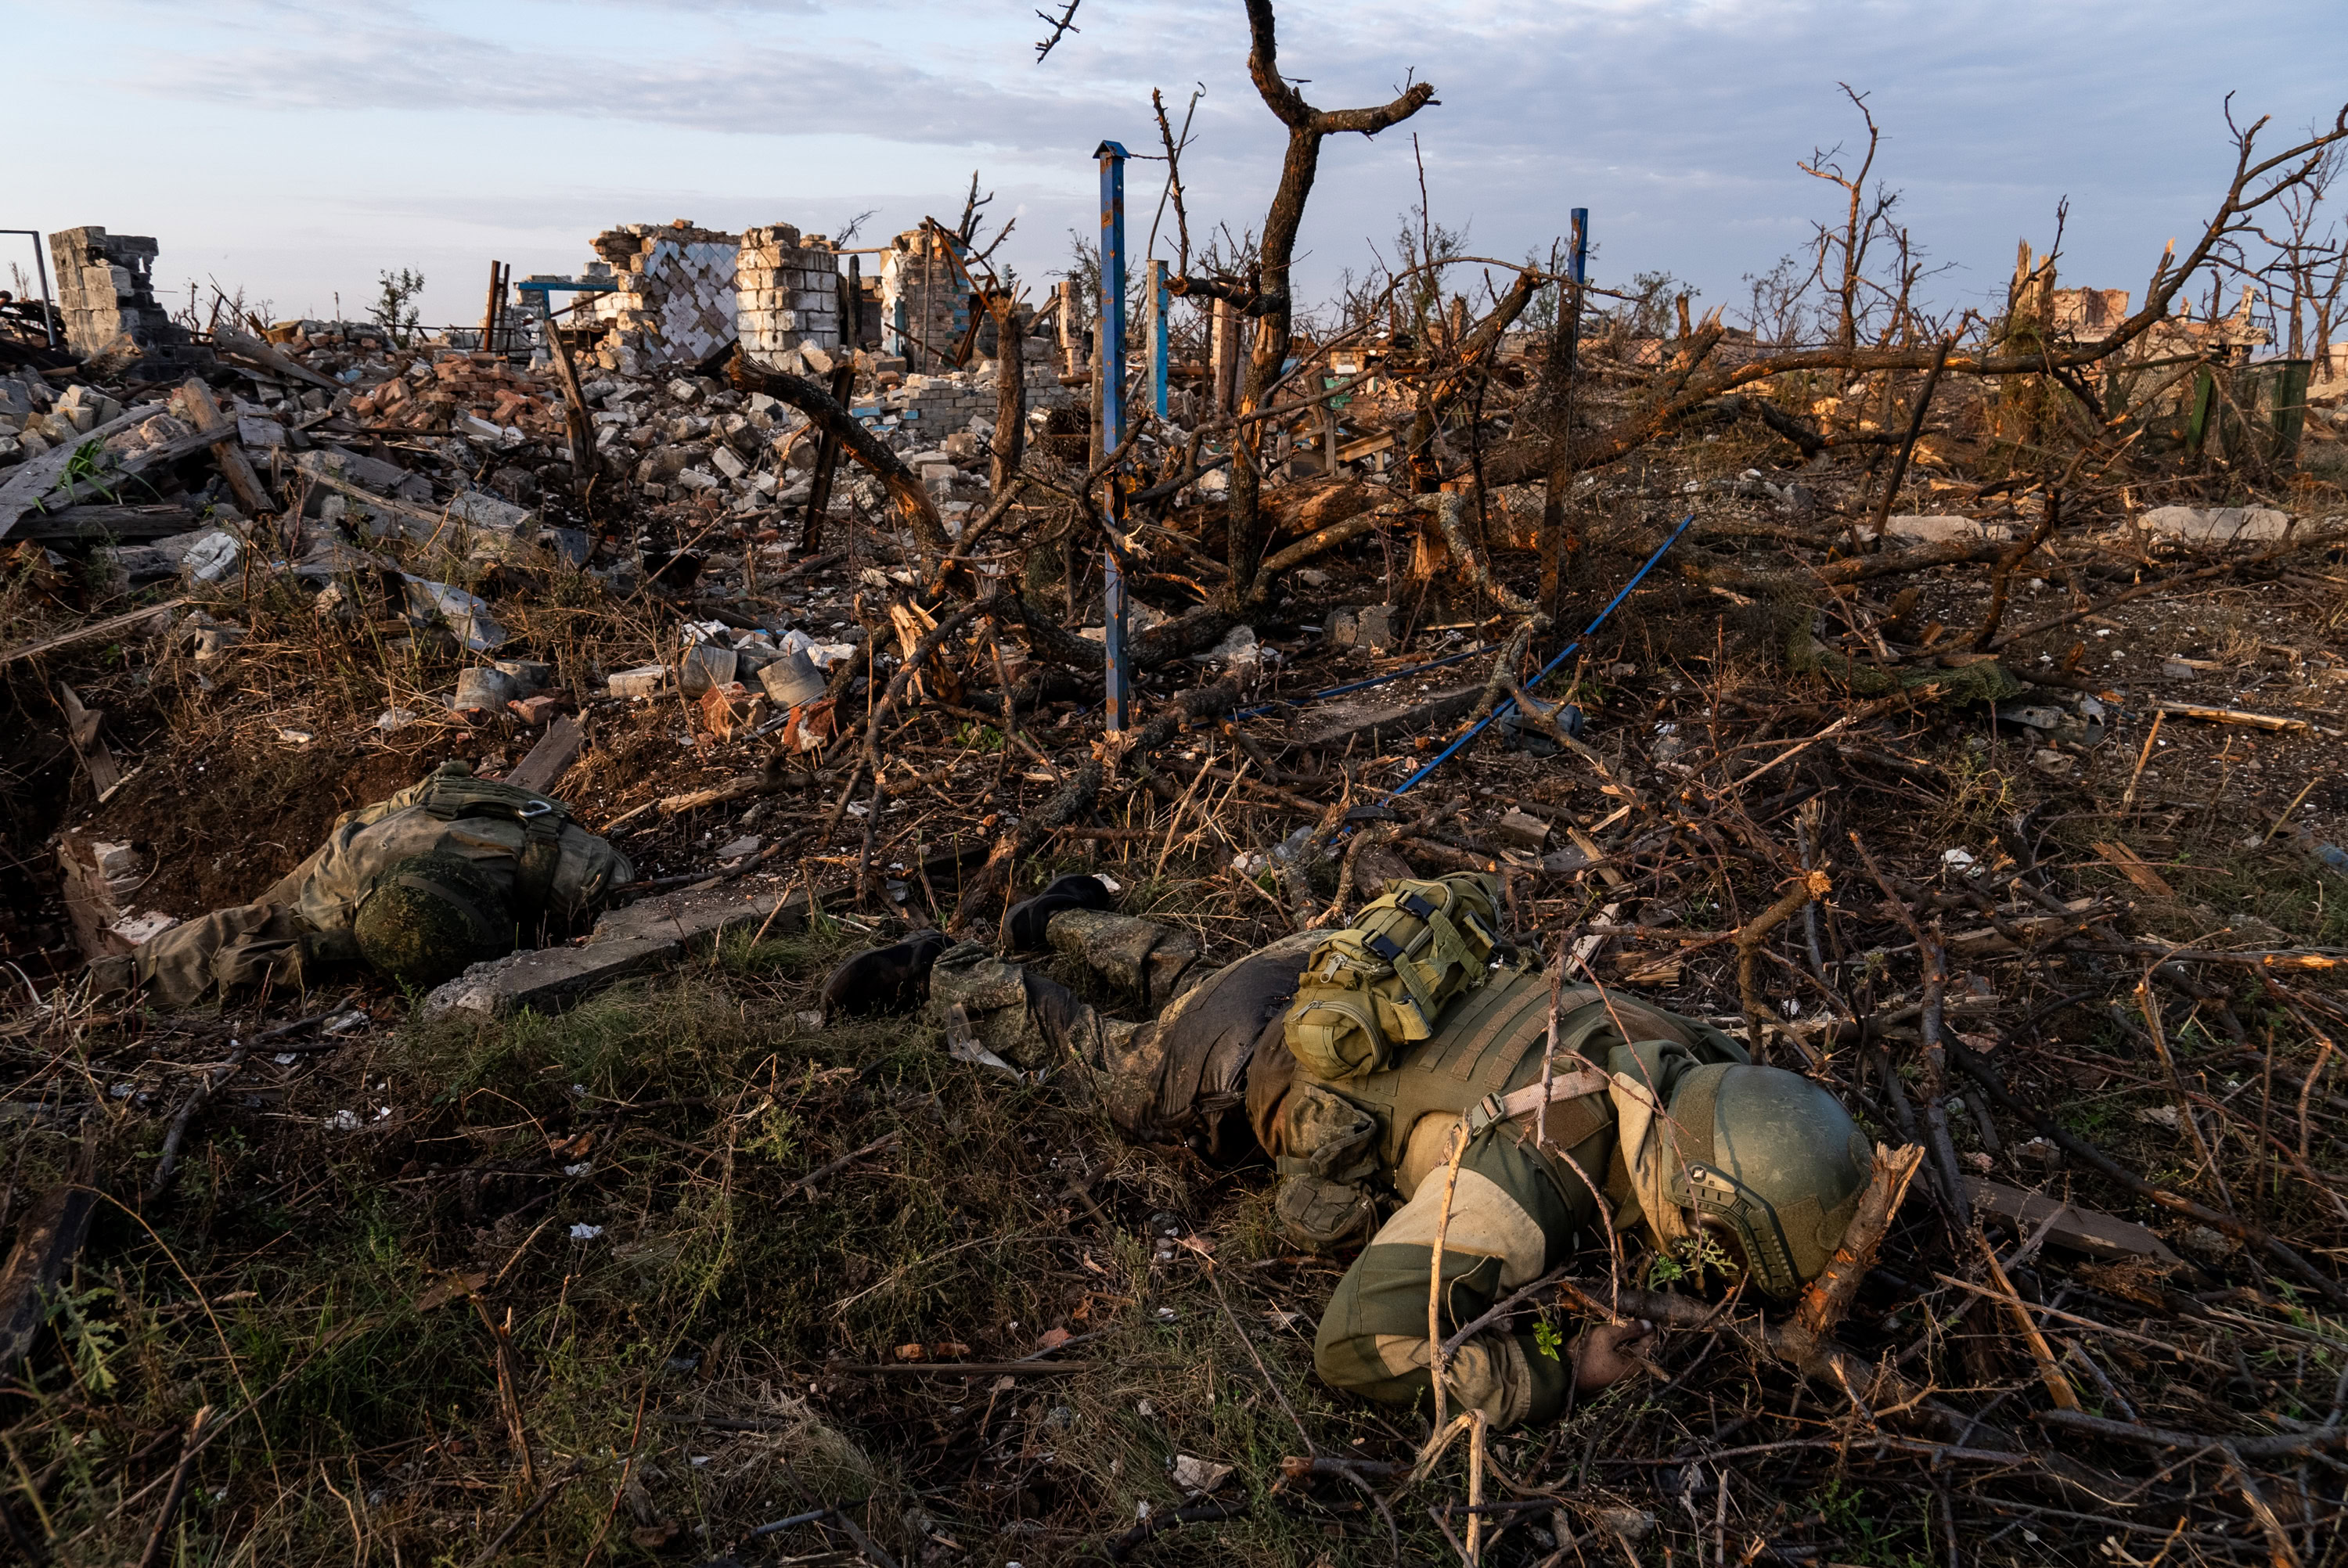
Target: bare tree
x=1842, y=254
x=1688, y=383
x=2308, y=258
x=1247, y=529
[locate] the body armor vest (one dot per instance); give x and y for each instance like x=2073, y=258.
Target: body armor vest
x=1336, y=1139
x=1333, y=1140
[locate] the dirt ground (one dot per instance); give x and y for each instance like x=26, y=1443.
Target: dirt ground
x=628, y=1282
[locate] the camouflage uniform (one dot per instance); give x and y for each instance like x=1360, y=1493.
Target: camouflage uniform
x=1214, y=1070
x=524, y=844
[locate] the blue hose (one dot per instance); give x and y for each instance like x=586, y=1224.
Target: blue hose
x=1507, y=704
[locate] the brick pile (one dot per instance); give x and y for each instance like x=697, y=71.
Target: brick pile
x=787, y=292
x=675, y=304
x=445, y=393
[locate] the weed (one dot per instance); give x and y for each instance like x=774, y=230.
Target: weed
x=91, y=1345
x=979, y=737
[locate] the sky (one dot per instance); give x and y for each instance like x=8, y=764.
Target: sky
x=297, y=149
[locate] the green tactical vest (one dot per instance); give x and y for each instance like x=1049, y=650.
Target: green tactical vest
x=1342, y=1137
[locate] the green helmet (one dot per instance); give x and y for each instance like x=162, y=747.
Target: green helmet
x=425, y=917
x=1773, y=1161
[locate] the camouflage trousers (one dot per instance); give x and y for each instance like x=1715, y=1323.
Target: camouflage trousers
x=1182, y=1077
x=1032, y=1020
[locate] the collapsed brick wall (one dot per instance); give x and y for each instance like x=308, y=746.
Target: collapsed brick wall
x=674, y=303
x=924, y=302
x=106, y=291
x=786, y=294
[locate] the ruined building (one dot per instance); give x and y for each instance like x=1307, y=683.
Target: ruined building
x=105, y=292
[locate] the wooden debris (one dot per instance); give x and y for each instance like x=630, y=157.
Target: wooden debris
x=2233, y=716
x=46, y=1244
x=550, y=759
x=2131, y=866
x=2072, y=1226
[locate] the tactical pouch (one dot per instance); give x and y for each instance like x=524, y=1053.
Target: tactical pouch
x=1321, y=1215
x=1369, y=990
x=1328, y=1152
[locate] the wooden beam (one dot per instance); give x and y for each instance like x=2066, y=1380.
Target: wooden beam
x=194, y=402
x=551, y=758
x=92, y=523
x=106, y=627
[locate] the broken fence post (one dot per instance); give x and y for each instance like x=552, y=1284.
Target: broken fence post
x=1154, y=308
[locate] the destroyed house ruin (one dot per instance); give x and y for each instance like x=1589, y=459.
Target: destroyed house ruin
x=105, y=294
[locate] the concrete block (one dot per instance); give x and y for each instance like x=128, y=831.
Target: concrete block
x=641, y=682
x=792, y=680
x=705, y=665
x=483, y=688
x=1523, y=830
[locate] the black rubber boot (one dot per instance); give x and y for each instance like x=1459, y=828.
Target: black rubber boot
x=894, y=978
x=1029, y=916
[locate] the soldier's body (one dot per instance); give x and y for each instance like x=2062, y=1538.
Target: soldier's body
x=447, y=872
x=1751, y=1165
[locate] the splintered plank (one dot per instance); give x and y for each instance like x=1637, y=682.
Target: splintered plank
x=551, y=758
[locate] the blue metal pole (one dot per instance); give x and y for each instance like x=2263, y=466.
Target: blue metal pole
x=1507, y=704
x=1108, y=354
x=1157, y=306
x=1581, y=265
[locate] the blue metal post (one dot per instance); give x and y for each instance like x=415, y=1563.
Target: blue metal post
x=1108, y=357
x=1581, y=267
x=1155, y=306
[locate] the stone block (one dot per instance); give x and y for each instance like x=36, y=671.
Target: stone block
x=2218, y=525
x=1941, y=530
x=1522, y=830
x=641, y=682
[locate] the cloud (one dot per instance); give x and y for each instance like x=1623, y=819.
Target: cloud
x=1677, y=122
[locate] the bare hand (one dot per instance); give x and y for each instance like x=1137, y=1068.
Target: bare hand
x=1602, y=1355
